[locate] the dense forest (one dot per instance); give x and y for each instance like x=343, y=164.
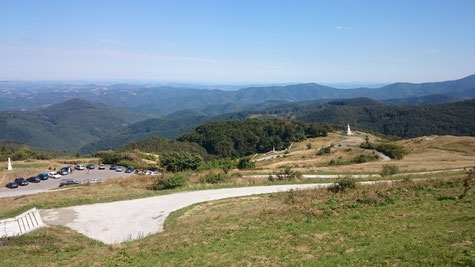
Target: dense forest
x=403, y=121
x=241, y=138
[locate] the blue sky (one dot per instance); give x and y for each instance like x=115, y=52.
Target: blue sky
x=237, y=41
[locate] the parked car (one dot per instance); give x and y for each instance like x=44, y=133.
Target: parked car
x=101, y=167
x=129, y=169
x=54, y=175
x=43, y=176
x=21, y=181
x=79, y=167
x=90, y=166
x=113, y=167
x=12, y=185
x=34, y=179
x=119, y=169
x=137, y=171
x=68, y=182
x=64, y=170
x=149, y=172
x=94, y=180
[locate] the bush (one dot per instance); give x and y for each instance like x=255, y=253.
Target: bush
x=171, y=182
x=180, y=161
x=391, y=150
x=365, y=158
x=389, y=169
x=212, y=178
x=325, y=150
x=246, y=164
x=342, y=185
x=286, y=174
x=309, y=146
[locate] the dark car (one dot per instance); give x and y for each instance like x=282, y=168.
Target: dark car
x=113, y=167
x=43, y=176
x=90, y=166
x=34, y=179
x=68, y=182
x=65, y=170
x=129, y=169
x=21, y=181
x=12, y=185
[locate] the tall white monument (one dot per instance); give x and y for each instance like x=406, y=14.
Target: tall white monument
x=348, y=131
x=9, y=165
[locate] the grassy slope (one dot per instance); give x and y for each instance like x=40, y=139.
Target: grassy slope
x=408, y=224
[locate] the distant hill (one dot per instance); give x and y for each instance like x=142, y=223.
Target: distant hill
x=165, y=100
x=65, y=126
x=403, y=121
x=340, y=111
x=168, y=128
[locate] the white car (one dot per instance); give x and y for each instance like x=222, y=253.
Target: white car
x=79, y=167
x=54, y=175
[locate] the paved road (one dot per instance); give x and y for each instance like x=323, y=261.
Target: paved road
x=123, y=221
x=43, y=186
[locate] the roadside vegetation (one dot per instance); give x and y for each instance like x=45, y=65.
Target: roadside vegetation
x=391, y=150
x=405, y=223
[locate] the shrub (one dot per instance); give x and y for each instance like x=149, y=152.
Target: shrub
x=389, y=169
x=391, y=150
x=325, y=150
x=180, y=161
x=365, y=158
x=286, y=174
x=170, y=182
x=212, y=178
x=309, y=146
x=342, y=185
x=468, y=182
x=246, y=163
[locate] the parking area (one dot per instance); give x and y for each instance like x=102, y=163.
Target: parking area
x=43, y=186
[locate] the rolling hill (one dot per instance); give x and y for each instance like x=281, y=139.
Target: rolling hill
x=403, y=121
x=397, y=120
x=65, y=126
x=164, y=100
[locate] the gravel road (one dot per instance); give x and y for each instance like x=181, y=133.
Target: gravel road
x=123, y=221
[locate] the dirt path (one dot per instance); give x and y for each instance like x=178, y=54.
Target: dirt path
x=123, y=221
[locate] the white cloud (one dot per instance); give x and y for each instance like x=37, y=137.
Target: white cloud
x=339, y=28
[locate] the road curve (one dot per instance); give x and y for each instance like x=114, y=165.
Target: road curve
x=123, y=221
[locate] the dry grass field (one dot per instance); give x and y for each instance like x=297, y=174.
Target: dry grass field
x=424, y=154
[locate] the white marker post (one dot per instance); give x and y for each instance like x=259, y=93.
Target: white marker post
x=9, y=165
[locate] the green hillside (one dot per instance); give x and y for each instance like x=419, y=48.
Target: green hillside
x=404, y=121
x=65, y=126
x=241, y=138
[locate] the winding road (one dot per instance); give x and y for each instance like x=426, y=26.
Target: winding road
x=123, y=221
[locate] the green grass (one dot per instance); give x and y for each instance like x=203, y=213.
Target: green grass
x=400, y=225
x=102, y=193
x=27, y=166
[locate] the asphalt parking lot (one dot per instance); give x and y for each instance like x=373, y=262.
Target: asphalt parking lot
x=43, y=186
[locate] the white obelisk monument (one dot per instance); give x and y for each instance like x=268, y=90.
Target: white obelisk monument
x=348, y=132
x=9, y=165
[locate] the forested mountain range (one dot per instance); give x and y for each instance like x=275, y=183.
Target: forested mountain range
x=164, y=100
x=65, y=126
x=367, y=114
